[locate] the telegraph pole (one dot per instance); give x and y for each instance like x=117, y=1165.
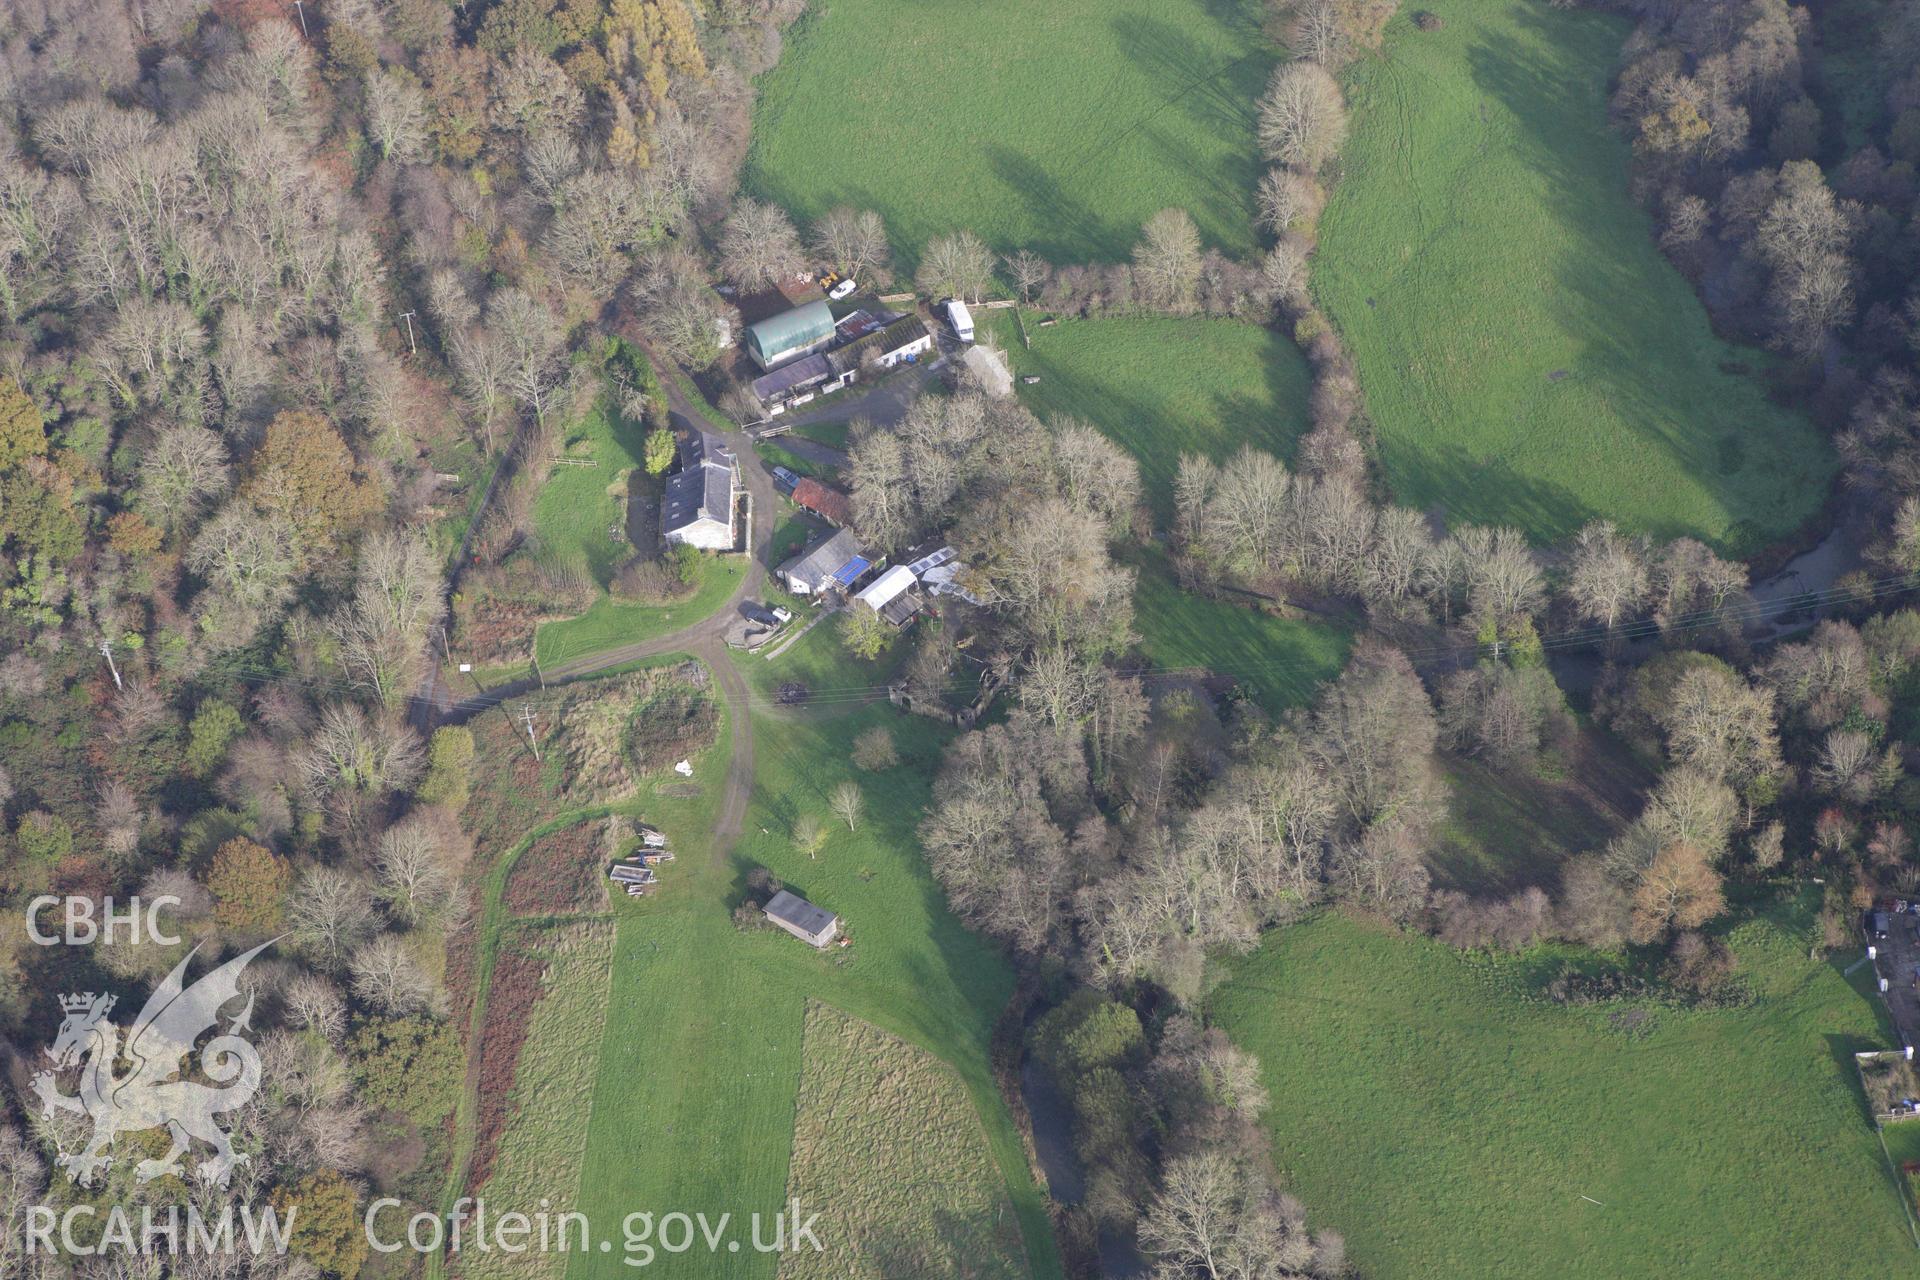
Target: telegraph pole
x=408, y=317
x=303, y=18
x=527, y=714
x=106, y=651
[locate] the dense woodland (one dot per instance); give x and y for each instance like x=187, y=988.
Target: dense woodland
x=225, y=516
x=223, y=513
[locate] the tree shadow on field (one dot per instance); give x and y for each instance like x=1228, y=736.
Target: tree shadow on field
x=1489, y=491
x=1654, y=377
x=1070, y=227
x=1242, y=17
x=953, y=1244
x=1217, y=96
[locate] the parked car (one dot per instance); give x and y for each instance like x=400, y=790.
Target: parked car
x=784, y=480
x=782, y=616
x=842, y=290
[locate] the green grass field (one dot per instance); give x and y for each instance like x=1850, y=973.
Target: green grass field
x=1527, y=355
x=609, y=622
x=1061, y=127
x=1279, y=661
x=887, y=1142
x=1449, y=1122
x=1508, y=828
x=574, y=517
x=837, y=680
x=579, y=508
x=1161, y=387
x=694, y=1105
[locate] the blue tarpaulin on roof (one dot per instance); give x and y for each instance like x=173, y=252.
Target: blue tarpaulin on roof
x=852, y=569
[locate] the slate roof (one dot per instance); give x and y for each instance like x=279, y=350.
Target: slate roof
x=789, y=378
x=793, y=910
x=819, y=564
x=903, y=332
x=703, y=487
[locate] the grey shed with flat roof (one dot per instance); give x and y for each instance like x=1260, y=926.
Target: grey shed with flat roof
x=811, y=924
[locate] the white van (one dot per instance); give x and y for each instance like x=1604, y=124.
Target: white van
x=960, y=318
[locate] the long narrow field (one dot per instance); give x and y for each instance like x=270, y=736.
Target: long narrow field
x=545, y=1138
x=1452, y=1123
x=1527, y=355
x=1059, y=127
x=694, y=1104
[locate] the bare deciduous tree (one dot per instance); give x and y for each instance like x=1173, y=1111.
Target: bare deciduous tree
x=852, y=240
x=1028, y=271
x=1303, y=118
x=1288, y=201
x=809, y=834
x=874, y=750
x=530, y=342
x=386, y=976
x=415, y=881
x=758, y=245
x=397, y=114
x=1606, y=573
x=846, y=801
x=331, y=913
x=314, y=1004
x=955, y=266
x=1167, y=259
x=184, y=468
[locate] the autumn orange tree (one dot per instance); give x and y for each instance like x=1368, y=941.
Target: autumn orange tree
x=1680, y=890
x=249, y=885
x=22, y=433
x=304, y=473
x=324, y=1227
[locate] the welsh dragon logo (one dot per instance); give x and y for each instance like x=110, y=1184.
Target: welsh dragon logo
x=151, y=1094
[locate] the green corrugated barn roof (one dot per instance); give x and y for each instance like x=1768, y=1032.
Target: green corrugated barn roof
x=790, y=331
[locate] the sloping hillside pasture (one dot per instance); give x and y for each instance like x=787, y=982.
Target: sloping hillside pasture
x=694, y=1105
x=1059, y=127
x=888, y=1144
x=1528, y=357
x=1452, y=1122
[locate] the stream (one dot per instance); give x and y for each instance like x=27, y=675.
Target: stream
x=1773, y=603
x=1047, y=1110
